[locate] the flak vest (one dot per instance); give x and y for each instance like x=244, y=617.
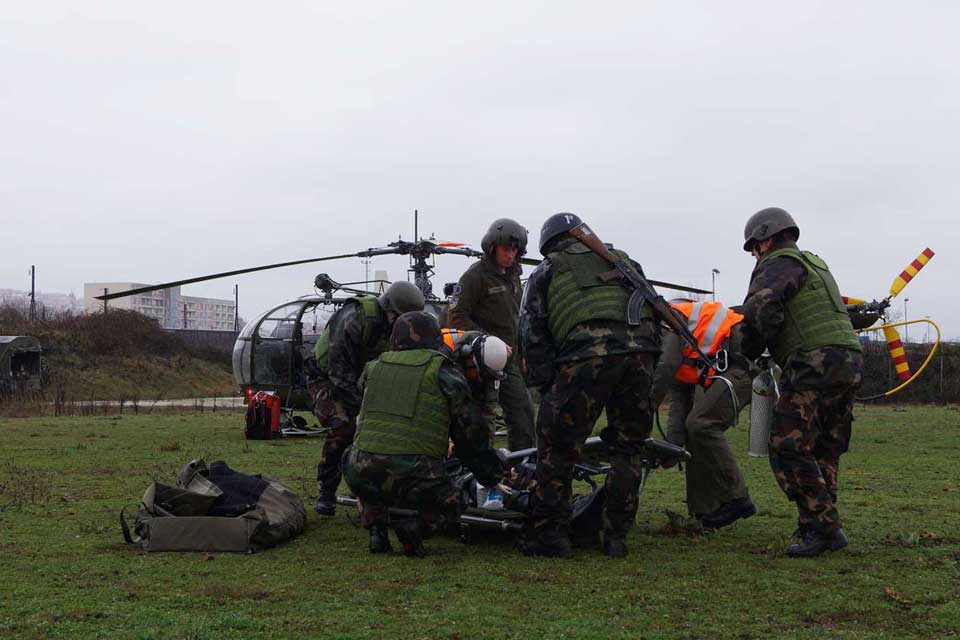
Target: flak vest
x=815, y=316
x=711, y=324
x=404, y=412
x=577, y=293
x=370, y=310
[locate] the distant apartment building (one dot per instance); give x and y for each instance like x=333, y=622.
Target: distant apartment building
x=45, y=301
x=167, y=306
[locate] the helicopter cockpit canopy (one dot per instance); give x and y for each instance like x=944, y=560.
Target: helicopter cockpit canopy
x=270, y=349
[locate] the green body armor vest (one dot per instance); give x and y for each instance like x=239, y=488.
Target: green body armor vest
x=576, y=293
x=815, y=316
x=404, y=412
x=371, y=312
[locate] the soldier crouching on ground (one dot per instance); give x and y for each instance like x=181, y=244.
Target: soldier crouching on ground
x=794, y=309
x=415, y=399
x=576, y=346
x=700, y=412
x=487, y=298
x=481, y=359
x=357, y=332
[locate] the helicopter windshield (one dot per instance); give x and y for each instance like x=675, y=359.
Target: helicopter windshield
x=271, y=347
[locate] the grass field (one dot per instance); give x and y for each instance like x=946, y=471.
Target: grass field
x=64, y=571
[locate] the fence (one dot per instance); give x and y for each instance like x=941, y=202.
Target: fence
x=221, y=341
x=939, y=383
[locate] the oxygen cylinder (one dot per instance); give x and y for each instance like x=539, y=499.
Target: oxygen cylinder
x=763, y=398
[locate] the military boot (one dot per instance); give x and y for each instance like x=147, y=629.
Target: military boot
x=729, y=513
x=614, y=544
x=326, y=503
x=379, y=539
x=816, y=542
x=408, y=533
x=550, y=542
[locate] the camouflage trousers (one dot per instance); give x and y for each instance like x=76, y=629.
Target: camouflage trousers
x=382, y=481
x=569, y=410
x=811, y=430
x=337, y=416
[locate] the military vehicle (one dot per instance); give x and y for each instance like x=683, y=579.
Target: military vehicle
x=21, y=365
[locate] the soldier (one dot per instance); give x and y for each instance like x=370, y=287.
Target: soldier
x=576, y=346
x=415, y=400
x=700, y=412
x=794, y=309
x=481, y=359
x=356, y=333
x=487, y=299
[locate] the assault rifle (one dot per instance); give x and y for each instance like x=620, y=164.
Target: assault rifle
x=643, y=293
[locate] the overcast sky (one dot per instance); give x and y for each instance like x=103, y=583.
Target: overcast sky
x=151, y=142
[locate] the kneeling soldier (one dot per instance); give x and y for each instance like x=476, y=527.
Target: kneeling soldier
x=356, y=334
x=414, y=401
x=481, y=359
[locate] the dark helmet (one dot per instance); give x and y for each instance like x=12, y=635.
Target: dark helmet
x=555, y=225
x=416, y=330
x=765, y=224
x=401, y=297
x=506, y=232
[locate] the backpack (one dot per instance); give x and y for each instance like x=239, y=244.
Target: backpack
x=216, y=509
x=263, y=416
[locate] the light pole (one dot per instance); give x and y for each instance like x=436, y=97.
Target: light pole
x=906, y=327
x=713, y=282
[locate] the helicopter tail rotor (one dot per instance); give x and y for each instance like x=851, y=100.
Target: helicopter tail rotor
x=908, y=274
x=897, y=353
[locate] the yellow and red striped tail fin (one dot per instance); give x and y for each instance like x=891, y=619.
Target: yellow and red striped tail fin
x=907, y=274
x=897, y=353
x=849, y=300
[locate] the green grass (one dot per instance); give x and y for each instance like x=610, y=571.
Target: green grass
x=144, y=378
x=64, y=571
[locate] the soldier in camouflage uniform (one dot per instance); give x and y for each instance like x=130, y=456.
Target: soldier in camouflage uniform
x=356, y=333
x=576, y=346
x=794, y=309
x=487, y=298
x=700, y=413
x=415, y=399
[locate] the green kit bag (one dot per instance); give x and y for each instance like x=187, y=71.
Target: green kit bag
x=216, y=509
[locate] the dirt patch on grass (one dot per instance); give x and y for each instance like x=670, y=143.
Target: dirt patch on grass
x=223, y=592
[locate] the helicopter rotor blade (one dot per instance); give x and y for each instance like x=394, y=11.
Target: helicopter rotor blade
x=657, y=283
x=897, y=352
x=908, y=274
x=461, y=251
x=677, y=287
x=177, y=283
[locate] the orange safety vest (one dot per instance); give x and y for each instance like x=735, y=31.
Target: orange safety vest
x=451, y=337
x=710, y=323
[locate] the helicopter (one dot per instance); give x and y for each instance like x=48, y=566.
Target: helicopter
x=270, y=350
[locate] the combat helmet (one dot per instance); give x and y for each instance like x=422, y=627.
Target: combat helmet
x=506, y=232
x=555, y=225
x=490, y=353
x=767, y=223
x=401, y=297
x=416, y=330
